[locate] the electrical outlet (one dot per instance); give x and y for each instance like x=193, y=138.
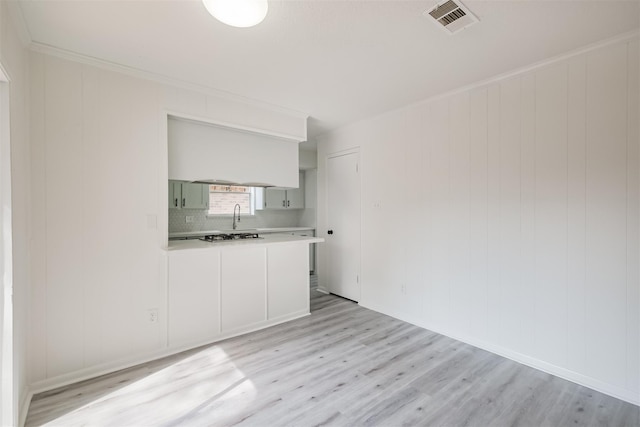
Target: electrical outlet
x=152, y=315
x=189, y=219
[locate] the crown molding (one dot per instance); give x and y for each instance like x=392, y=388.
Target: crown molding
x=621, y=38
x=159, y=78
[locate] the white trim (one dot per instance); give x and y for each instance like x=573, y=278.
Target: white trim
x=159, y=78
x=541, y=365
x=622, y=38
x=25, y=402
x=345, y=152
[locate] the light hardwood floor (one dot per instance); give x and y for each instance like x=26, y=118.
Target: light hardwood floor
x=343, y=365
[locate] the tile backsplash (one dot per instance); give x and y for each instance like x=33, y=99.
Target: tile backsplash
x=262, y=219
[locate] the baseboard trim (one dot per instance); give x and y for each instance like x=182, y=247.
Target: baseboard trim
x=532, y=362
x=23, y=409
x=128, y=362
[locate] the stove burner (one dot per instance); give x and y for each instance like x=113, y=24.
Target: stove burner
x=225, y=237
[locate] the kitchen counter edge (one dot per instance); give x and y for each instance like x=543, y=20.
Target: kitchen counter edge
x=179, y=245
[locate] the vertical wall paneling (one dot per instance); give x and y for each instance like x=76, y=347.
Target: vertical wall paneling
x=459, y=207
x=427, y=291
x=511, y=301
x=576, y=127
x=441, y=262
x=478, y=217
x=527, y=210
x=633, y=218
x=551, y=214
x=415, y=180
x=528, y=218
x=494, y=321
x=38, y=304
x=93, y=242
x=63, y=135
x=606, y=213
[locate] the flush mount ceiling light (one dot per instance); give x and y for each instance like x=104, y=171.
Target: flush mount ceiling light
x=238, y=13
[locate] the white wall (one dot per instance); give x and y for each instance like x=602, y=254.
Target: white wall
x=14, y=59
x=513, y=216
x=99, y=190
x=307, y=216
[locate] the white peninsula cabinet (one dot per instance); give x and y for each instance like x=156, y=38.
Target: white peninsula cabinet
x=193, y=319
x=225, y=289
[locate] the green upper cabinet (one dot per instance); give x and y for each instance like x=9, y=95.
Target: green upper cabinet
x=186, y=195
x=276, y=198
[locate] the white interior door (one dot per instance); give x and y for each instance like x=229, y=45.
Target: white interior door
x=343, y=233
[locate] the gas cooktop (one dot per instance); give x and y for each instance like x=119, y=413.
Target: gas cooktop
x=231, y=236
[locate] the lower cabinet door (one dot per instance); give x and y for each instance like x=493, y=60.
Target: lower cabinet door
x=243, y=291
x=288, y=279
x=193, y=300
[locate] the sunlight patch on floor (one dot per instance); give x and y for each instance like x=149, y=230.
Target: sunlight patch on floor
x=206, y=381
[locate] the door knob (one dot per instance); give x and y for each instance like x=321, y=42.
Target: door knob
x=330, y=232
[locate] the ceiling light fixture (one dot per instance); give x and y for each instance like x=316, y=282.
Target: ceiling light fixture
x=237, y=13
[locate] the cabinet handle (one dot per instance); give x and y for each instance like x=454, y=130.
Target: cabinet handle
x=288, y=203
x=184, y=201
x=330, y=232
x=175, y=203
x=283, y=204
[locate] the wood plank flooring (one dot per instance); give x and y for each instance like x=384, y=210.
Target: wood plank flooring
x=342, y=366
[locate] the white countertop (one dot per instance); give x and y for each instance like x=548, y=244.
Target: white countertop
x=186, y=234
x=176, y=245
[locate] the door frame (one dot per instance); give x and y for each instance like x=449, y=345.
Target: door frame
x=340, y=153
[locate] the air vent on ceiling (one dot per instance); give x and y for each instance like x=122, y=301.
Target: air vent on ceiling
x=451, y=16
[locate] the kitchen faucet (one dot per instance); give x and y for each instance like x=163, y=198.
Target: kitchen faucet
x=234, y=215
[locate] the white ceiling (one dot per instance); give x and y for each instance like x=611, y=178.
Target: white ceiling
x=337, y=60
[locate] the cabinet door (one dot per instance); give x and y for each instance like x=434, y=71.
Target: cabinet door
x=195, y=196
x=275, y=198
x=193, y=297
x=288, y=279
x=175, y=194
x=295, y=196
x=243, y=288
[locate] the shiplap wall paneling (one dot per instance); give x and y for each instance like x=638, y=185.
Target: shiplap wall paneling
x=386, y=195
x=38, y=303
x=633, y=213
x=494, y=318
x=63, y=136
x=416, y=182
x=440, y=244
x=510, y=302
x=606, y=214
x=543, y=197
x=426, y=290
x=576, y=192
x=94, y=247
x=551, y=214
x=478, y=212
x=527, y=212
x=460, y=277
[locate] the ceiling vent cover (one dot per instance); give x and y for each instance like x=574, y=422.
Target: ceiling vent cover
x=451, y=16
